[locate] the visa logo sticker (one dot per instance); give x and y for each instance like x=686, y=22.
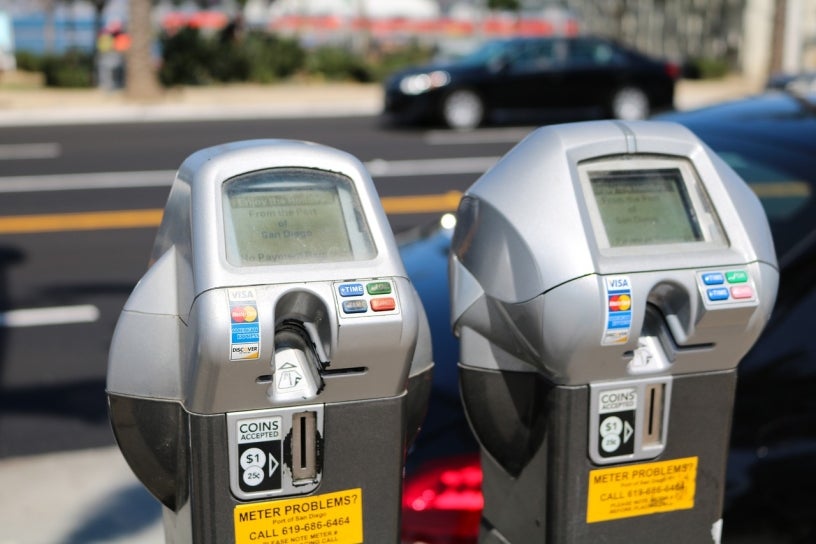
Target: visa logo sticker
x=617, y=283
x=241, y=294
x=618, y=310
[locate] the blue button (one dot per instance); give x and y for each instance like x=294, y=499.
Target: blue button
x=351, y=290
x=718, y=293
x=713, y=278
x=358, y=306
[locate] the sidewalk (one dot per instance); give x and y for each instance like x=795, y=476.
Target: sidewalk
x=21, y=106
x=42, y=106
x=78, y=497
x=692, y=94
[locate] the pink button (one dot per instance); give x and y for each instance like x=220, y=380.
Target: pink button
x=742, y=292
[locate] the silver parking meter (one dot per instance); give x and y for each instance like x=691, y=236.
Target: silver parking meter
x=269, y=369
x=606, y=280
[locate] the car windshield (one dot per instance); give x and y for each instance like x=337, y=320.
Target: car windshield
x=769, y=142
x=784, y=186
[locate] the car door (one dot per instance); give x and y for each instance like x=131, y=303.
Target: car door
x=591, y=73
x=529, y=77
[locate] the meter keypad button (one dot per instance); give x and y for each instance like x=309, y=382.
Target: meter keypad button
x=713, y=278
x=742, y=292
x=383, y=304
x=350, y=289
x=379, y=288
x=357, y=306
x=366, y=298
x=718, y=293
x=724, y=288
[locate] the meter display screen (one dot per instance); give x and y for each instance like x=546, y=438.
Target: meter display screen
x=294, y=216
x=643, y=207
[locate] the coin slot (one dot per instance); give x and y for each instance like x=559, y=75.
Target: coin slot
x=653, y=420
x=304, y=446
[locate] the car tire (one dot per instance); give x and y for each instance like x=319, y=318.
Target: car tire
x=629, y=104
x=463, y=109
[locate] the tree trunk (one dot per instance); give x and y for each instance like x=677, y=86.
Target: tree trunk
x=49, y=30
x=778, y=39
x=99, y=7
x=141, y=81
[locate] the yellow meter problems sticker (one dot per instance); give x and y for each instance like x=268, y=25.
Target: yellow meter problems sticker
x=333, y=518
x=642, y=489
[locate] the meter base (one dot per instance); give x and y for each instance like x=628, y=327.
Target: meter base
x=541, y=492
x=364, y=449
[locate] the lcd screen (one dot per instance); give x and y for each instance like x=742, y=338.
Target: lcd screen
x=644, y=207
x=294, y=216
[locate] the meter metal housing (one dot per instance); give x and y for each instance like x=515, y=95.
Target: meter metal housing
x=275, y=347
x=606, y=280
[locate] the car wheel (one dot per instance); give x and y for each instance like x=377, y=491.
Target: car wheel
x=463, y=109
x=630, y=104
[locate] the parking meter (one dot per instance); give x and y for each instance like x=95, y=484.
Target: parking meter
x=606, y=280
x=269, y=369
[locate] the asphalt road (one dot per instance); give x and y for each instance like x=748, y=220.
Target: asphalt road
x=78, y=213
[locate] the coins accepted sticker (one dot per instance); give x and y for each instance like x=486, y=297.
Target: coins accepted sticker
x=335, y=518
x=642, y=489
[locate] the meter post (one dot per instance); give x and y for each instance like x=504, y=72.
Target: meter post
x=606, y=280
x=269, y=370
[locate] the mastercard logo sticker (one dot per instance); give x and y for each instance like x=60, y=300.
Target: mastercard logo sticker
x=620, y=303
x=244, y=314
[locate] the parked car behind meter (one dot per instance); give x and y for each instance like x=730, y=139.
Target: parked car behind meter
x=520, y=77
x=770, y=141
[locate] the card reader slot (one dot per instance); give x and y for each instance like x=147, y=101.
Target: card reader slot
x=657, y=348
x=331, y=372
x=295, y=366
x=657, y=323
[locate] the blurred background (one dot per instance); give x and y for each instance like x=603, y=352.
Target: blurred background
x=84, y=43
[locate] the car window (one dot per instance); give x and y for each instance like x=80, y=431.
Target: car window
x=488, y=52
x=534, y=56
x=592, y=53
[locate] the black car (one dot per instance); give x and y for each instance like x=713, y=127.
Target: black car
x=770, y=140
x=518, y=77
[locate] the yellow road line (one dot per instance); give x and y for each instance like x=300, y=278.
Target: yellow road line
x=58, y=222
x=446, y=202
x=783, y=189
x=150, y=218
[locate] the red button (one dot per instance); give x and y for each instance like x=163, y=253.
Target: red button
x=383, y=304
x=742, y=292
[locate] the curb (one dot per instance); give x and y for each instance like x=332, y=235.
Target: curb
x=40, y=107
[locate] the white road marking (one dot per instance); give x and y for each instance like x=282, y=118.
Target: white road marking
x=483, y=136
x=11, y=152
x=378, y=168
x=95, y=180
x=58, y=315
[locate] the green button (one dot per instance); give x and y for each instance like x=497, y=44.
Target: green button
x=736, y=276
x=378, y=288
